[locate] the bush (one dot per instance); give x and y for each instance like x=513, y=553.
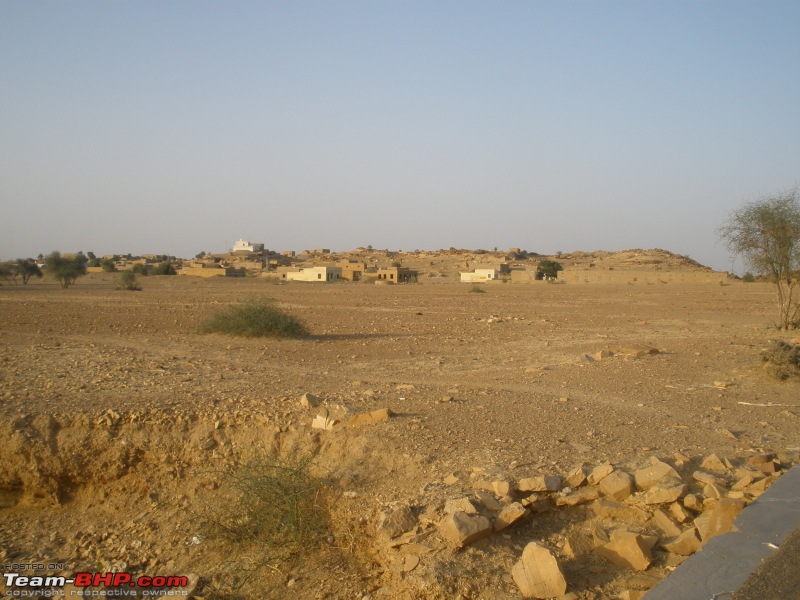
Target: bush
x=128, y=281
x=476, y=290
x=256, y=318
x=164, y=268
x=782, y=360
x=748, y=277
x=272, y=502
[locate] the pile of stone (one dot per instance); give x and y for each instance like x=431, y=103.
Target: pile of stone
x=666, y=507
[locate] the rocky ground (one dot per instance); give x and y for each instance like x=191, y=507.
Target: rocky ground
x=120, y=425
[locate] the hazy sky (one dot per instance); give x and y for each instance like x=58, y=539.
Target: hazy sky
x=179, y=126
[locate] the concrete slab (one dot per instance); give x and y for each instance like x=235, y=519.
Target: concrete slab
x=725, y=562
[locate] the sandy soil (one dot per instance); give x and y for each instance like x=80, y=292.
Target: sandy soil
x=118, y=419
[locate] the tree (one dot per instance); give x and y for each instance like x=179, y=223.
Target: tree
x=65, y=269
x=549, y=268
x=28, y=268
x=766, y=234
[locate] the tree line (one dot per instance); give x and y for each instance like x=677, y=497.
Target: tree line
x=66, y=269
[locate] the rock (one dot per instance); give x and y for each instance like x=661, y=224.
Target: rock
x=451, y=479
x=462, y=529
x=745, y=481
x=685, y=544
x=576, y=477
x=665, y=523
x=460, y=505
x=578, y=544
x=770, y=467
x=610, y=509
x=692, y=502
x=309, y=401
x=538, y=504
x=447, y=399
x=654, y=473
x=680, y=514
x=509, y=515
x=701, y=524
x=397, y=521
x=617, y=485
x=577, y=497
x=703, y=477
x=602, y=354
x=323, y=421
x=712, y=462
x=501, y=488
x=208, y=444
x=599, y=472
x=665, y=493
x=540, y=483
x=410, y=563
x=637, y=351
x=627, y=549
x=758, y=459
x=720, y=519
x=711, y=490
x=488, y=501
x=375, y=416
x=538, y=574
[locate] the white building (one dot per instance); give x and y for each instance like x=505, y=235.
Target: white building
x=315, y=274
x=245, y=246
x=480, y=275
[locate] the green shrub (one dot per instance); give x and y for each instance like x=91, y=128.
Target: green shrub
x=256, y=318
x=128, y=281
x=476, y=290
x=748, y=277
x=272, y=502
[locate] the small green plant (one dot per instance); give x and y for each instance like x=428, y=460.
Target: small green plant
x=255, y=318
x=748, y=277
x=782, y=360
x=272, y=502
x=128, y=281
x=476, y=290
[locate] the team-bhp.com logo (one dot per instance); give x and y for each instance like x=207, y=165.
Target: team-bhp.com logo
x=94, y=585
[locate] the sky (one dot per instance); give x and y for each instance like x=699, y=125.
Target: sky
x=177, y=126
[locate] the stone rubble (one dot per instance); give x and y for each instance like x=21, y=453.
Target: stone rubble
x=632, y=518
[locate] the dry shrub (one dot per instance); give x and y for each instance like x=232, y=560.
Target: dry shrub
x=782, y=359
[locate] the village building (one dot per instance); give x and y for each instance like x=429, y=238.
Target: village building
x=480, y=276
x=319, y=274
x=210, y=269
x=242, y=245
x=484, y=275
x=397, y=274
x=352, y=270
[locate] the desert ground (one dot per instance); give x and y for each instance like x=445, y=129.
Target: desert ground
x=119, y=422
